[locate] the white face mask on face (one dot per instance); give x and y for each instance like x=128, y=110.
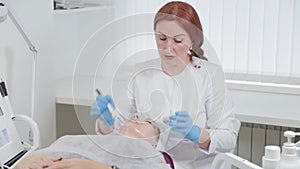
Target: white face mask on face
x=142, y=129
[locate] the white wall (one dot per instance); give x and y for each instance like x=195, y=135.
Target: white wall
x=36, y=18
x=273, y=108
x=220, y=20
x=59, y=37
x=73, y=28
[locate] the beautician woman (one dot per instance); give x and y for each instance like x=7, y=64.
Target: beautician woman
x=198, y=107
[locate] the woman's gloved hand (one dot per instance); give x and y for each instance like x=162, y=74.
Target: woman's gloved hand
x=182, y=122
x=100, y=109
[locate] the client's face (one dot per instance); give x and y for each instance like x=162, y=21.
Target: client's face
x=146, y=130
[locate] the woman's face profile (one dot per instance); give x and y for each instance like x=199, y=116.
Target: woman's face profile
x=143, y=129
x=173, y=42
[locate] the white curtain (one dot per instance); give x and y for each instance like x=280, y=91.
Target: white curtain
x=254, y=39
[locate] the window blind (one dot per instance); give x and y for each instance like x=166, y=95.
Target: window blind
x=255, y=40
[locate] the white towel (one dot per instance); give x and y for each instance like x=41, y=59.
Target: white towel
x=116, y=150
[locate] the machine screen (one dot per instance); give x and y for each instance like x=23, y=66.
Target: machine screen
x=4, y=139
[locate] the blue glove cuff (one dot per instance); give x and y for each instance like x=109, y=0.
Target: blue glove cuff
x=107, y=122
x=194, y=134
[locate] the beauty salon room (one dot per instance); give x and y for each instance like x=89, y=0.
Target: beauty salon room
x=125, y=84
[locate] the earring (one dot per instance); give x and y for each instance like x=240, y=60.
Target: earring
x=189, y=52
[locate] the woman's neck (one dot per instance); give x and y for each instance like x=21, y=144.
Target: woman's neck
x=173, y=70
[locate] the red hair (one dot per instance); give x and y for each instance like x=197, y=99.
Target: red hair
x=188, y=18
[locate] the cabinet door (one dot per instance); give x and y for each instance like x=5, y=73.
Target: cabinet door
x=73, y=121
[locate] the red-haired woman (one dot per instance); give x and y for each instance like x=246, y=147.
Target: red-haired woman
x=196, y=106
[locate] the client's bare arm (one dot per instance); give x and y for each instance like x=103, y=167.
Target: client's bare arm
x=42, y=161
x=78, y=164
x=35, y=162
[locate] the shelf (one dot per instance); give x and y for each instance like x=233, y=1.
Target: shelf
x=242, y=117
x=79, y=10
x=79, y=91
x=287, y=122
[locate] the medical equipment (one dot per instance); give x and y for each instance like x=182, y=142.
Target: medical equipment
x=166, y=120
x=109, y=106
x=4, y=12
x=68, y=4
x=288, y=158
x=104, y=108
x=12, y=149
x=272, y=159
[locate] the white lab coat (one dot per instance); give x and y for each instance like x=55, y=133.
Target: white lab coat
x=200, y=89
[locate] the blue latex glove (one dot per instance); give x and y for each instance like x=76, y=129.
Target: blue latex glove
x=182, y=122
x=100, y=110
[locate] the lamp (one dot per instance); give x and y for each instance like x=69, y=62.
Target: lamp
x=4, y=12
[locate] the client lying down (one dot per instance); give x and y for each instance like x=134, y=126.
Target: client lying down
x=121, y=150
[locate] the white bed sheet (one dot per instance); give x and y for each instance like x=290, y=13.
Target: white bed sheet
x=109, y=149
